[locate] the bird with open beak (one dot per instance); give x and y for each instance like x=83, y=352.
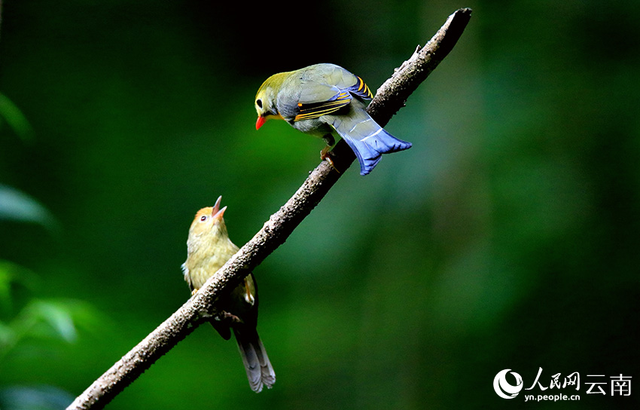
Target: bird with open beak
x=208, y=249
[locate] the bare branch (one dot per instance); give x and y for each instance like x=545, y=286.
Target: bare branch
x=393, y=94
x=389, y=99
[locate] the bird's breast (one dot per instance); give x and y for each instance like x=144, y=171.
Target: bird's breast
x=206, y=261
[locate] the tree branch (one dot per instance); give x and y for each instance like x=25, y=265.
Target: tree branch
x=391, y=96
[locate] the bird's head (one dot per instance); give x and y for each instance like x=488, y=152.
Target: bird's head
x=266, y=96
x=208, y=226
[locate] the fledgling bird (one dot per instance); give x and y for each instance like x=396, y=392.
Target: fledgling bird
x=208, y=249
x=322, y=98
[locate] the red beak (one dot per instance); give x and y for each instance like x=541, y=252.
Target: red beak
x=260, y=122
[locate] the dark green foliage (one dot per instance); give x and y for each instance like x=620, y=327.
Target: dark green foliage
x=507, y=237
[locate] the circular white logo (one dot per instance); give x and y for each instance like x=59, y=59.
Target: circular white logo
x=502, y=386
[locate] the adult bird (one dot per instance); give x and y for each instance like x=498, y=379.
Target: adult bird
x=323, y=98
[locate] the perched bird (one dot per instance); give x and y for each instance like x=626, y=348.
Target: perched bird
x=322, y=98
x=208, y=249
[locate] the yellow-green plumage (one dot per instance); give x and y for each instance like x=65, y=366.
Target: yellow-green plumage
x=324, y=98
x=208, y=249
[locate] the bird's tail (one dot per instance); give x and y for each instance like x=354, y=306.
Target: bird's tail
x=367, y=139
x=256, y=362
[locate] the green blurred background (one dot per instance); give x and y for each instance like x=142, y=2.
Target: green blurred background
x=507, y=237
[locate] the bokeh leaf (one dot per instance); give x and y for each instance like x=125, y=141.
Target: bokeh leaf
x=5, y=287
x=7, y=336
x=56, y=315
x=12, y=274
x=15, y=119
x=18, y=206
x=34, y=398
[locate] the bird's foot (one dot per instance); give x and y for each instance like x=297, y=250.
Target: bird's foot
x=325, y=154
x=227, y=317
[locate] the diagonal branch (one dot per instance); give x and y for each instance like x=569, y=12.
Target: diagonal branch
x=391, y=96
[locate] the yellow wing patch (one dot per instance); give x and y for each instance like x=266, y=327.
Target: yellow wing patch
x=316, y=110
x=362, y=89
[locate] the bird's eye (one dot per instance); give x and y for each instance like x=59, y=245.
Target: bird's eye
x=259, y=103
x=203, y=218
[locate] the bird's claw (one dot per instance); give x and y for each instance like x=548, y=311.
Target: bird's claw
x=225, y=316
x=325, y=154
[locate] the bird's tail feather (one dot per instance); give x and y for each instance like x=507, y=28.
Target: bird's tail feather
x=369, y=141
x=256, y=362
